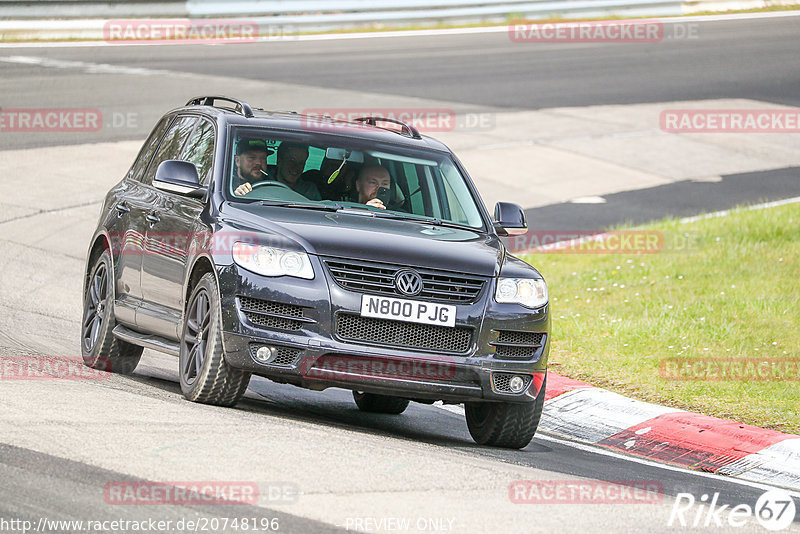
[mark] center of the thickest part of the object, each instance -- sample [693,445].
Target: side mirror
[179,177]
[509,219]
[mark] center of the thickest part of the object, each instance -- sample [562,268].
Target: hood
[363,237]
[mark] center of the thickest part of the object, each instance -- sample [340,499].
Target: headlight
[271,261]
[526,291]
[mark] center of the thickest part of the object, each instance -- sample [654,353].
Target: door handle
[122,209]
[152,218]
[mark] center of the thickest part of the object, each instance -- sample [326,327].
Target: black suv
[305,279]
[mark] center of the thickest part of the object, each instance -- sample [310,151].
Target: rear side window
[200,150]
[172,145]
[147,151]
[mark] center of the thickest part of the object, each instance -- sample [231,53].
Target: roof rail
[242,107]
[407,129]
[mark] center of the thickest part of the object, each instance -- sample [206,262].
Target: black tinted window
[172,145]
[147,151]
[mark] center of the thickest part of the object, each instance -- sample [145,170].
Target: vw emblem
[408,283]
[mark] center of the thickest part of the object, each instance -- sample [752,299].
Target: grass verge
[692,325]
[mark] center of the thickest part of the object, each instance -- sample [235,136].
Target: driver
[370,179]
[251,160]
[291,162]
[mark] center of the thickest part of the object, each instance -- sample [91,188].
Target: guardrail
[85,19]
[302,12]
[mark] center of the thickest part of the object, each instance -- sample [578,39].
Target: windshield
[346,173]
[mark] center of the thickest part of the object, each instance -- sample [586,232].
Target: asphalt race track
[320,464]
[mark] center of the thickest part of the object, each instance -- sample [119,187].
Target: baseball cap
[246,144]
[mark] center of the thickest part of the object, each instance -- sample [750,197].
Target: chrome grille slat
[363,276]
[345,270]
[370,284]
[447,287]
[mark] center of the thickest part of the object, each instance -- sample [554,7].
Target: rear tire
[505,424]
[99,347]
[370,402]
[205,375]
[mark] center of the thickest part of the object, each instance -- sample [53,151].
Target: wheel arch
[202,265]
[99,245]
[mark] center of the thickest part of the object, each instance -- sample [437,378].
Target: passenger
[291,162]
[251,160]
[369,181]
[342,185]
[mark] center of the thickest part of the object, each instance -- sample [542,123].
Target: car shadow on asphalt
[335,408]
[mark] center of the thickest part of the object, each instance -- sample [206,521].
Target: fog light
[265,354]
[516,384]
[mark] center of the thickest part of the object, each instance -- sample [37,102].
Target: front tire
[205,375]
[370,402]
[99,347]
[505,424]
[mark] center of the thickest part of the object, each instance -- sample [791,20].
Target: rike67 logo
[774,510]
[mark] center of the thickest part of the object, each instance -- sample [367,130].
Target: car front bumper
[299,320]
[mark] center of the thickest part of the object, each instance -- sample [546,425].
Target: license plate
[408,310]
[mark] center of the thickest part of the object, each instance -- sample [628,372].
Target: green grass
[733,292]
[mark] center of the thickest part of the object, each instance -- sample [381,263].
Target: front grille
[514,345]
[286,356]
[272,314]
[400,334]
[377,278]
[501,382]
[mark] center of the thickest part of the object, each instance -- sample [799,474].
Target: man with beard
[369,181]
[251,162]
[291,162]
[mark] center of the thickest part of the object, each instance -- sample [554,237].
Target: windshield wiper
[406,217]
[302,205]
[425,220]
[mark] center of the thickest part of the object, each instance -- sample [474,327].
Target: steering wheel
[267,183]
